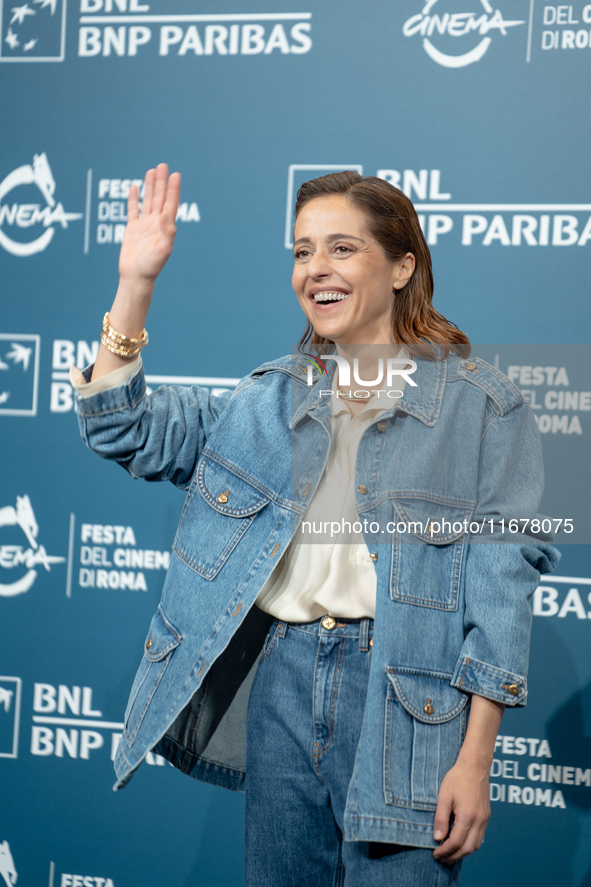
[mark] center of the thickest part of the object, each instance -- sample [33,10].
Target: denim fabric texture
[453,614]
[305,712]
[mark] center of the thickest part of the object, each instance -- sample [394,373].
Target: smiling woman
[374,226]
[352,685]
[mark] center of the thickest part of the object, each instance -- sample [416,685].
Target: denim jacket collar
[422,401]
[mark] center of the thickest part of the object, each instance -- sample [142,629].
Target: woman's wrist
[478,748]
[132,303]
[476,757]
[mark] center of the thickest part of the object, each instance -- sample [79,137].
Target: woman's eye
[301,254]
[342,249]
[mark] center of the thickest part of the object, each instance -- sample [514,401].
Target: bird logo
[32,31]
[20,354]
[19,369]
[20,12]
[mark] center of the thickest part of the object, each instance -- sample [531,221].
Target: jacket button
[329,623]
[472,366]
[513,689]
[149,643]
[223,497]
[428,708]
[432,530]
[362,489]
[373,556]
[381,426]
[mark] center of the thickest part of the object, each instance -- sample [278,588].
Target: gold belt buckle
[329,622]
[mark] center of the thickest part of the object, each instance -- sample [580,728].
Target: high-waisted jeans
[304,721]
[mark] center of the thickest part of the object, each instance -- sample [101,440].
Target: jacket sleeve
[156,436]
[502,570]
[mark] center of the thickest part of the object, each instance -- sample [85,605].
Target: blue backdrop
[481,115]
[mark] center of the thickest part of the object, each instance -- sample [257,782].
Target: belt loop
[281,629]
[364,635]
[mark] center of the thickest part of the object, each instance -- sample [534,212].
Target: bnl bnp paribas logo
[456,39]
[35,31]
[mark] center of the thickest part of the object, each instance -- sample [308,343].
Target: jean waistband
[361,628]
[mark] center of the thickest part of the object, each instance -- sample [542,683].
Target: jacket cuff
[111,400]
[473,676]
[110,380]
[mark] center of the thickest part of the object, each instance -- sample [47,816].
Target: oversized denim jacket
[453,613]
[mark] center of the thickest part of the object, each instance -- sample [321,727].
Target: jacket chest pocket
[428,553]
[426,721]
[219,508]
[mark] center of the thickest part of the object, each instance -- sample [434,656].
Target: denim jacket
[460,451]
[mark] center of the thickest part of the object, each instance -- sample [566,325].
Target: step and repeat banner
[478,111]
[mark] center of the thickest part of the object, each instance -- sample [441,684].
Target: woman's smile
[329,297]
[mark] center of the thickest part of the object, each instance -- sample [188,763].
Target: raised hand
[149,237]
[147,245]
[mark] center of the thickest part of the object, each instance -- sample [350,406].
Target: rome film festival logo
[23,216]
[33,32]
[12,556]
[7,868]
[457,24]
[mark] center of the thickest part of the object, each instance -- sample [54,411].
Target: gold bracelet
[117,343]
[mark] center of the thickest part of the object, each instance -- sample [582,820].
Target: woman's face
[343,280]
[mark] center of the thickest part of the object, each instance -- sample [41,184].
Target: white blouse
[319,572]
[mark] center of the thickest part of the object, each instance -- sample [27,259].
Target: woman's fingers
[465,837]
[133,209]
[173,196]
[442,816]
[161,194]
[451,849]
[148,192]
[160,188]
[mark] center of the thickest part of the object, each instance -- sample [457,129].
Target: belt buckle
[329,622]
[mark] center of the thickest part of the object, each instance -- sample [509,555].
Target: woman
[360,757]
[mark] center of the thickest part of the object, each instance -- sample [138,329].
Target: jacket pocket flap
[162,637]
[432,521]
[427,697]
[227,492]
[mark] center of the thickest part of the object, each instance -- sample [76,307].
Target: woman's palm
[149,238]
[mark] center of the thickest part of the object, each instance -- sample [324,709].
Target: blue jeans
[304,720]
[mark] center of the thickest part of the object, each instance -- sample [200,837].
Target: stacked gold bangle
[119,344]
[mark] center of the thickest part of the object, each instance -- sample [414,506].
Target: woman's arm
[158,436]
[147,245]
[464,790]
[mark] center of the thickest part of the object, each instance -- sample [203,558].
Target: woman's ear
[403,271]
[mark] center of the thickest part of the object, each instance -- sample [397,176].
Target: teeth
[330,297]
